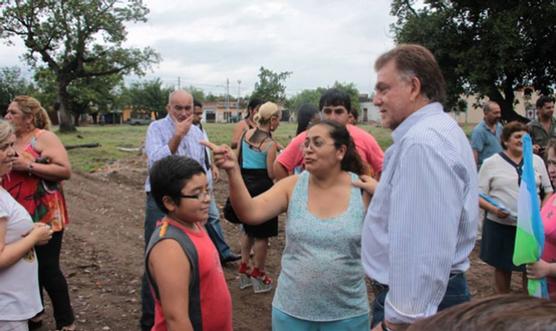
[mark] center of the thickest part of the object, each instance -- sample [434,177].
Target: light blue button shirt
[159,134]
[422,220]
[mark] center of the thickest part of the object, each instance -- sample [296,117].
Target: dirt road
[102,254]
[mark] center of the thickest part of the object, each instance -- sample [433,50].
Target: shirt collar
[430,109]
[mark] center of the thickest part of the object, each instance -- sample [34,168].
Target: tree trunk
[76,118]
[66,124]
[506,102]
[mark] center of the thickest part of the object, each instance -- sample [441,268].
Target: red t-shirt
[365,144]
[216,302]
[548,215]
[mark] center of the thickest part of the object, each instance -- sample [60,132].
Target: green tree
[197,93]
[313,96]
[489,47]
[12,83]
[76,40]
[149,96]
[89,95]
[271,86]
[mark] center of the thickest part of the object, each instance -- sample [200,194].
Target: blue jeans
[152,215]
[214,231]
[456,293]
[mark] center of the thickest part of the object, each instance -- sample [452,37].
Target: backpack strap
[164,231]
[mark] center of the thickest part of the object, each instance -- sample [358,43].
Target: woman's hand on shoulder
[366,183]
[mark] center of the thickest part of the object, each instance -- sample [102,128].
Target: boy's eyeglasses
[200,196]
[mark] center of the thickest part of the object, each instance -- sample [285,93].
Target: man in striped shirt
[421,224]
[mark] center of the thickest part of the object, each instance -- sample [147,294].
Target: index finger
[208,144]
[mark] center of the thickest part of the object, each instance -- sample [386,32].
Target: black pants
[53,281]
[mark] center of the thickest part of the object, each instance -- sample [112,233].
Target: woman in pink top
[546,266]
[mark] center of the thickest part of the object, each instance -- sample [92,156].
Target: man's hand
[182,128]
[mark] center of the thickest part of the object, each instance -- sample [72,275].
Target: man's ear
[169,203]
[415,84]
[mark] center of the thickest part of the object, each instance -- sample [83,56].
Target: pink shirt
[365,144]
[548,215]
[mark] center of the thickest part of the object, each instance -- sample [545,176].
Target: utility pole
[179,83]
[238,94]
[227,94]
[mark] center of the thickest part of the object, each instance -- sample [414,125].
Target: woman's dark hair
[510,129]
[305,114]
[340,135]
[169,175]
[501,312]
[253,104]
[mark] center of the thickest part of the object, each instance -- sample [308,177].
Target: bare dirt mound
[102,254]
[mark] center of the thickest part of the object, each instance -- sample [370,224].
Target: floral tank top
[44,200]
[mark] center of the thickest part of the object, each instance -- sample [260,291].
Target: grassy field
[110,137]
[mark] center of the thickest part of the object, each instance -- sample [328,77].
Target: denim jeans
[214,231]
[152,215]
[456,293]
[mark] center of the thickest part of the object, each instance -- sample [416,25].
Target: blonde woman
[19,284]
[257,152]
[40,166]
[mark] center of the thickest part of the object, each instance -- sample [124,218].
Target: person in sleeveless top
[19,284]
[247,123]
[500,177]
[181,262]
[258,151]
[41,165]
[321,285]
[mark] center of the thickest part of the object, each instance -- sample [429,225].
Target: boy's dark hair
[169,175]
[544,99]
[335,97]
[197,103]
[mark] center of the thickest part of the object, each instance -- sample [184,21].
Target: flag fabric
[529,239]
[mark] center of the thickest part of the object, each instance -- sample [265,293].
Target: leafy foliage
[271,86]
[313,96]
[12,83]
[76,40]
[149,96]
[489,47]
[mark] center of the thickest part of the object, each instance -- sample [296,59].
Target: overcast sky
[204,43]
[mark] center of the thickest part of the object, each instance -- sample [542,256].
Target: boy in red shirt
[182,264]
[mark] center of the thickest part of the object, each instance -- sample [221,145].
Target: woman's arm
[11,253]
[492,209]
[251,210]
[270,158]
[171,270]
[239,128]
[53,152]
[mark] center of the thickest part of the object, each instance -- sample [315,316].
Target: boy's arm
[171,270]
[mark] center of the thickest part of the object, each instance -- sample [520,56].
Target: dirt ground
[102,254]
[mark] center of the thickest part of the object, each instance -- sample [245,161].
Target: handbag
[229,213]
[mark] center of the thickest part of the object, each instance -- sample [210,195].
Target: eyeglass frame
[207,194]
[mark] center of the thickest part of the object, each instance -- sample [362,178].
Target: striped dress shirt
[159,134]
[422,220]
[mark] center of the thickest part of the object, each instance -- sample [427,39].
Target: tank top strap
[300,192]
[33,142]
